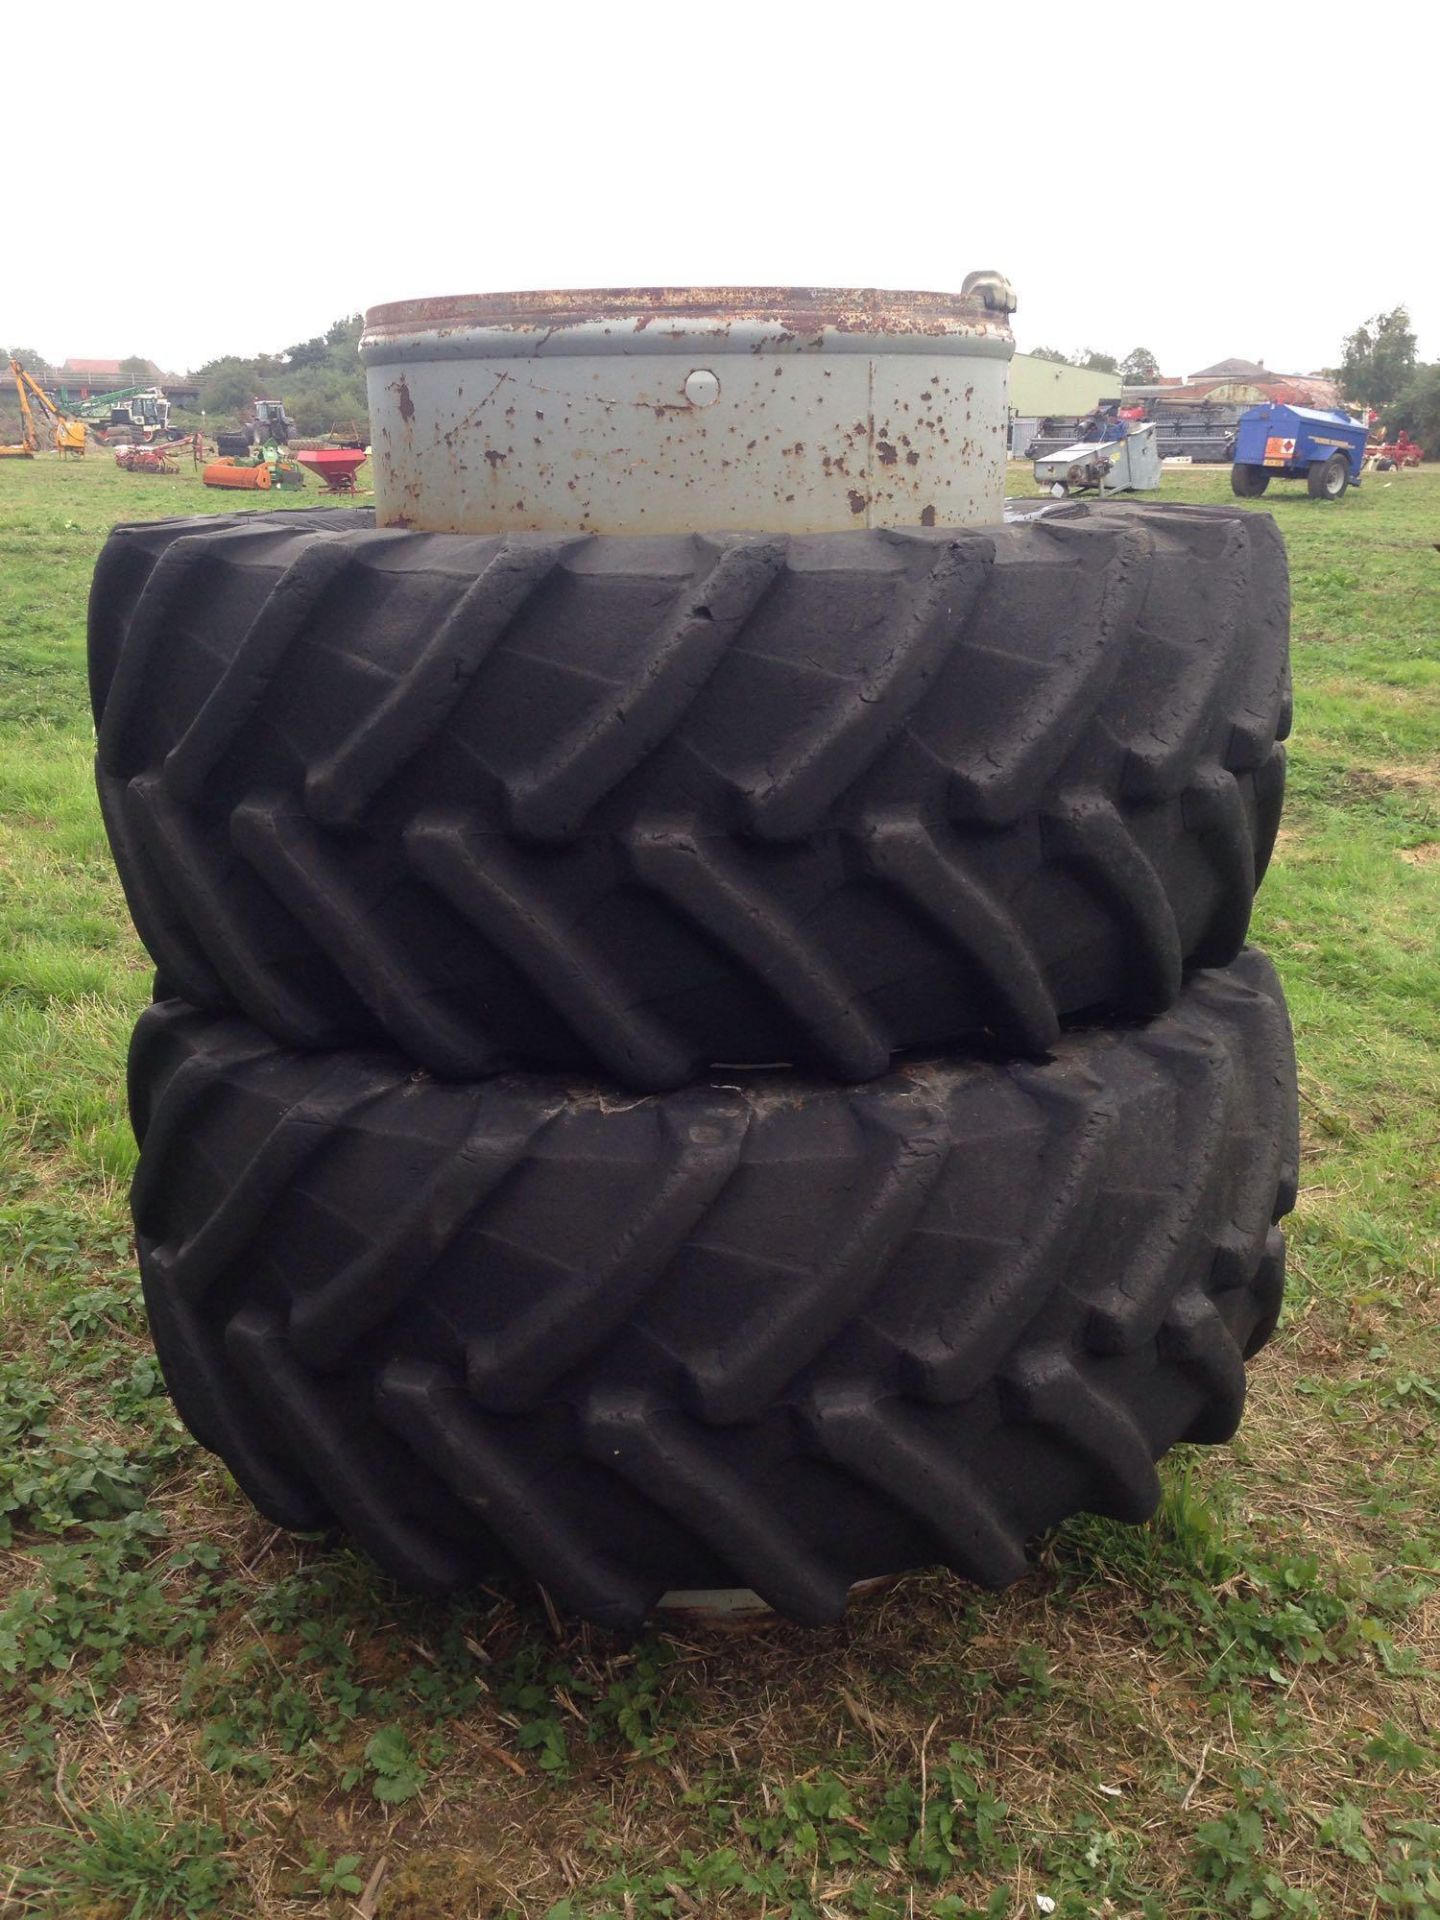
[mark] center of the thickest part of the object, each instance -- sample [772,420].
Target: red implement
[336,466]
[146,460]
[1402,451]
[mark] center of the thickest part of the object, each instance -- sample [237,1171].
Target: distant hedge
[320,381]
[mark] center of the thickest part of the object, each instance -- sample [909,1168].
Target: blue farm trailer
[1325,450]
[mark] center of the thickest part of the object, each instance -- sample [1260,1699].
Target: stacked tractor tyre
[701,1063]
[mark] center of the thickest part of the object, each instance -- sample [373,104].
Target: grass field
[1234,1711]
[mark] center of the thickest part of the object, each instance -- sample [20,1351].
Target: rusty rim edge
[798,309]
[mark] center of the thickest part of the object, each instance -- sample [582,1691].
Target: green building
[1040,387]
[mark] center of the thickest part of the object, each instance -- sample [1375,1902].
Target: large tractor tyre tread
[128,559]
[645,806]
[770,1333]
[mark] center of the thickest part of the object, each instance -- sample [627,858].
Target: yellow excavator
[67,433]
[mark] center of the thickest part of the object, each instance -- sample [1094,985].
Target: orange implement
[223,473]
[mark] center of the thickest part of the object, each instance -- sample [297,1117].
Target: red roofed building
[84,379]
[1245,383]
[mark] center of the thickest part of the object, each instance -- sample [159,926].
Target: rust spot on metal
[627,448]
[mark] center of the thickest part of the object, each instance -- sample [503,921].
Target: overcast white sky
[1203,180]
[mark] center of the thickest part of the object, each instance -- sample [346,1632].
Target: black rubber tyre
[1384,464]
[640,806]
[1248,482]
[771,1334]
[1328,479]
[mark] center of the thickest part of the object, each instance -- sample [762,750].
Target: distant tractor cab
[1326,450]
[132,414]
[146,412]
[269,425]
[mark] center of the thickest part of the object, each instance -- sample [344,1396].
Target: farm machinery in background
[137,415]
[1193,432]
[265,466]
[336,466]
[1399,452]
[1114,454]
[337,461]
[269,425]
[67,434]
[257,453]
[1323,448]
[162,456]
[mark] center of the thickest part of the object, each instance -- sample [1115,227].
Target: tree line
[1379,368]
[322,384]
[1139,368]
[320,381]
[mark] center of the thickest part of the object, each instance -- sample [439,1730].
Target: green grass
[1230,1712]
